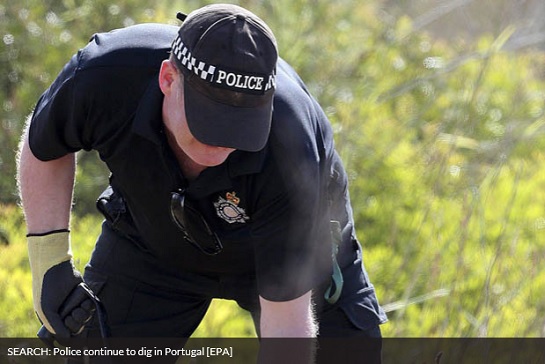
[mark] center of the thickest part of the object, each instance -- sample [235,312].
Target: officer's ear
[169,77]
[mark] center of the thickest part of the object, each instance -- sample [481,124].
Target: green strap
[337,280]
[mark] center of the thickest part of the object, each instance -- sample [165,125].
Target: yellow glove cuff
[44,252]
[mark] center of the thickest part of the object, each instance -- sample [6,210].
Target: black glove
[61,299]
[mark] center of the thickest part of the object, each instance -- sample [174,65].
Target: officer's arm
[290,319]
[45,189]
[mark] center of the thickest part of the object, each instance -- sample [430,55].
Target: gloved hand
[61,304]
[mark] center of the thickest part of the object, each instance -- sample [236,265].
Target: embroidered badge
[227,208]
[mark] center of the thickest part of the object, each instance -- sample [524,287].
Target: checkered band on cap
[232,80]
[201,69]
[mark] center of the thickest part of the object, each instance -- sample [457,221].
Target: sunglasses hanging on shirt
[193,225]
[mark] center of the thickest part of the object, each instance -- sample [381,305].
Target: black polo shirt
[271,209]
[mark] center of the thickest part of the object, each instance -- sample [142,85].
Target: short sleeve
[95,97]
[53,130]
[292,230]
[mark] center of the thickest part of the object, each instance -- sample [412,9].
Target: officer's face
[175,121]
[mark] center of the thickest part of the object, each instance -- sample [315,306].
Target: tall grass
[448,191]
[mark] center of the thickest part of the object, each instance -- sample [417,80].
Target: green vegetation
[443,140]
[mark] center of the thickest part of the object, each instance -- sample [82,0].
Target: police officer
[224,184]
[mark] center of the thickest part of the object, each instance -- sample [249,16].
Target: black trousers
[145,300]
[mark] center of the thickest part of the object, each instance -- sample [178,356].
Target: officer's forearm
[288,331]
[46,190]
[288,319]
